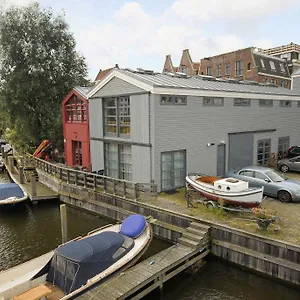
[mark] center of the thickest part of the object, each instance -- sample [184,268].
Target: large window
[208,71]
[118,162]
[283,146]
[263,152]
[239,68]
[75,110]
[213,101]
[173,170]
[227,69]
[117,116]
[219,70]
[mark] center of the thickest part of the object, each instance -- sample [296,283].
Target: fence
[99,183]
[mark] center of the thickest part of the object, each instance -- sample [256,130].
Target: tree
[38,67]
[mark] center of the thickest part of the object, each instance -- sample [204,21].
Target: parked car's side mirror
[267,180]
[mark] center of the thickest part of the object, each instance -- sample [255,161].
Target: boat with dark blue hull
[78,265]
[11,193]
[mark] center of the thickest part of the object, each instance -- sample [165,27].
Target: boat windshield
[274,176]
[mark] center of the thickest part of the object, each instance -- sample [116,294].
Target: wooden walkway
[151,273]
[42,191]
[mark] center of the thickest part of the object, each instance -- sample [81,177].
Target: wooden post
[124,189]
[21,175]
[2,152]
[84,180]
[136,192]
[161,283]
[33,186]
[64,224]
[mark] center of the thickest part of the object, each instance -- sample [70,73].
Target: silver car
[289,164]
[275,185]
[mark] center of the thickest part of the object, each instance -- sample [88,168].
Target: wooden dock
[151,273]
[36,191]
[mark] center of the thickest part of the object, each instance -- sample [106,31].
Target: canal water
[28,230]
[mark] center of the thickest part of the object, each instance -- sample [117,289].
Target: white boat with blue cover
[11,193]
[76,266]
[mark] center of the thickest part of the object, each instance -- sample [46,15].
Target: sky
[139,34]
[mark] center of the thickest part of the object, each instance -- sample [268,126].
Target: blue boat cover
[10,190]
[77,261]
[133,226]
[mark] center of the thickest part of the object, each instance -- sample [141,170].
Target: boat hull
[248,198]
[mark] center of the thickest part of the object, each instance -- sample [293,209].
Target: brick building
[247,64]
[186,66]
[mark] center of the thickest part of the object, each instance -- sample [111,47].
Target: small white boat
[11,193]
[79,264]
[232,191]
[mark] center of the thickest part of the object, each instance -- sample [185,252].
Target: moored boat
[79,264]
[230,191]
[11,193]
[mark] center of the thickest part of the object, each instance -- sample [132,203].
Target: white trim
[209,93]
[277,76]
[122,76]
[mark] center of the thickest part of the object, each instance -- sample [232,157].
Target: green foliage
[38,67]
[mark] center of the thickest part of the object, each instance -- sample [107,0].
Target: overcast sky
[140,33]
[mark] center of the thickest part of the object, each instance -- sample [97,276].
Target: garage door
[240,150]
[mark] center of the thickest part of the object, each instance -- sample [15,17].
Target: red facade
[76,130]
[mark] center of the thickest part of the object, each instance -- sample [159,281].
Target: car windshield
[274,176]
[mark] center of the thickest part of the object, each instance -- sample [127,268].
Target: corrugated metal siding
[141,164]
[96,120]
[97,157]
[192,126]
[116,87]
[296,84]
[139,114]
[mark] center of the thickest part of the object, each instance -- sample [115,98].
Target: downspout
[150,142]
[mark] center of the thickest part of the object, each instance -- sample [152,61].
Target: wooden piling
[63,219]
[21,175]
[33,186]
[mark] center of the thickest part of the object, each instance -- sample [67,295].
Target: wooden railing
[99,183]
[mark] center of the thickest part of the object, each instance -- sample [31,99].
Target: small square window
[213,101]
[241,102]
[265,102]
[285,103]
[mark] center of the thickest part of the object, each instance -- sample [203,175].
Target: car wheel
[284,168]
[284,196]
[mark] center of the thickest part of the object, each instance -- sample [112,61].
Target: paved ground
[287,228]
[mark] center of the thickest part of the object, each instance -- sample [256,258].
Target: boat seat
[36,293]
[208,179]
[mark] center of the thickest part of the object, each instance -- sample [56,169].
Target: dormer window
[262,63]
[272,65]
[282,68]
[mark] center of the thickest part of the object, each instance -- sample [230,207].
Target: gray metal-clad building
[149,127]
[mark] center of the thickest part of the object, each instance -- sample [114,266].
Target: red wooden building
[76,128]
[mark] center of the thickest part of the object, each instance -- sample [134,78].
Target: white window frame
[272,65]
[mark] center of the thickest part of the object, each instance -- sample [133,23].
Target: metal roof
[83,90]
[199,82]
